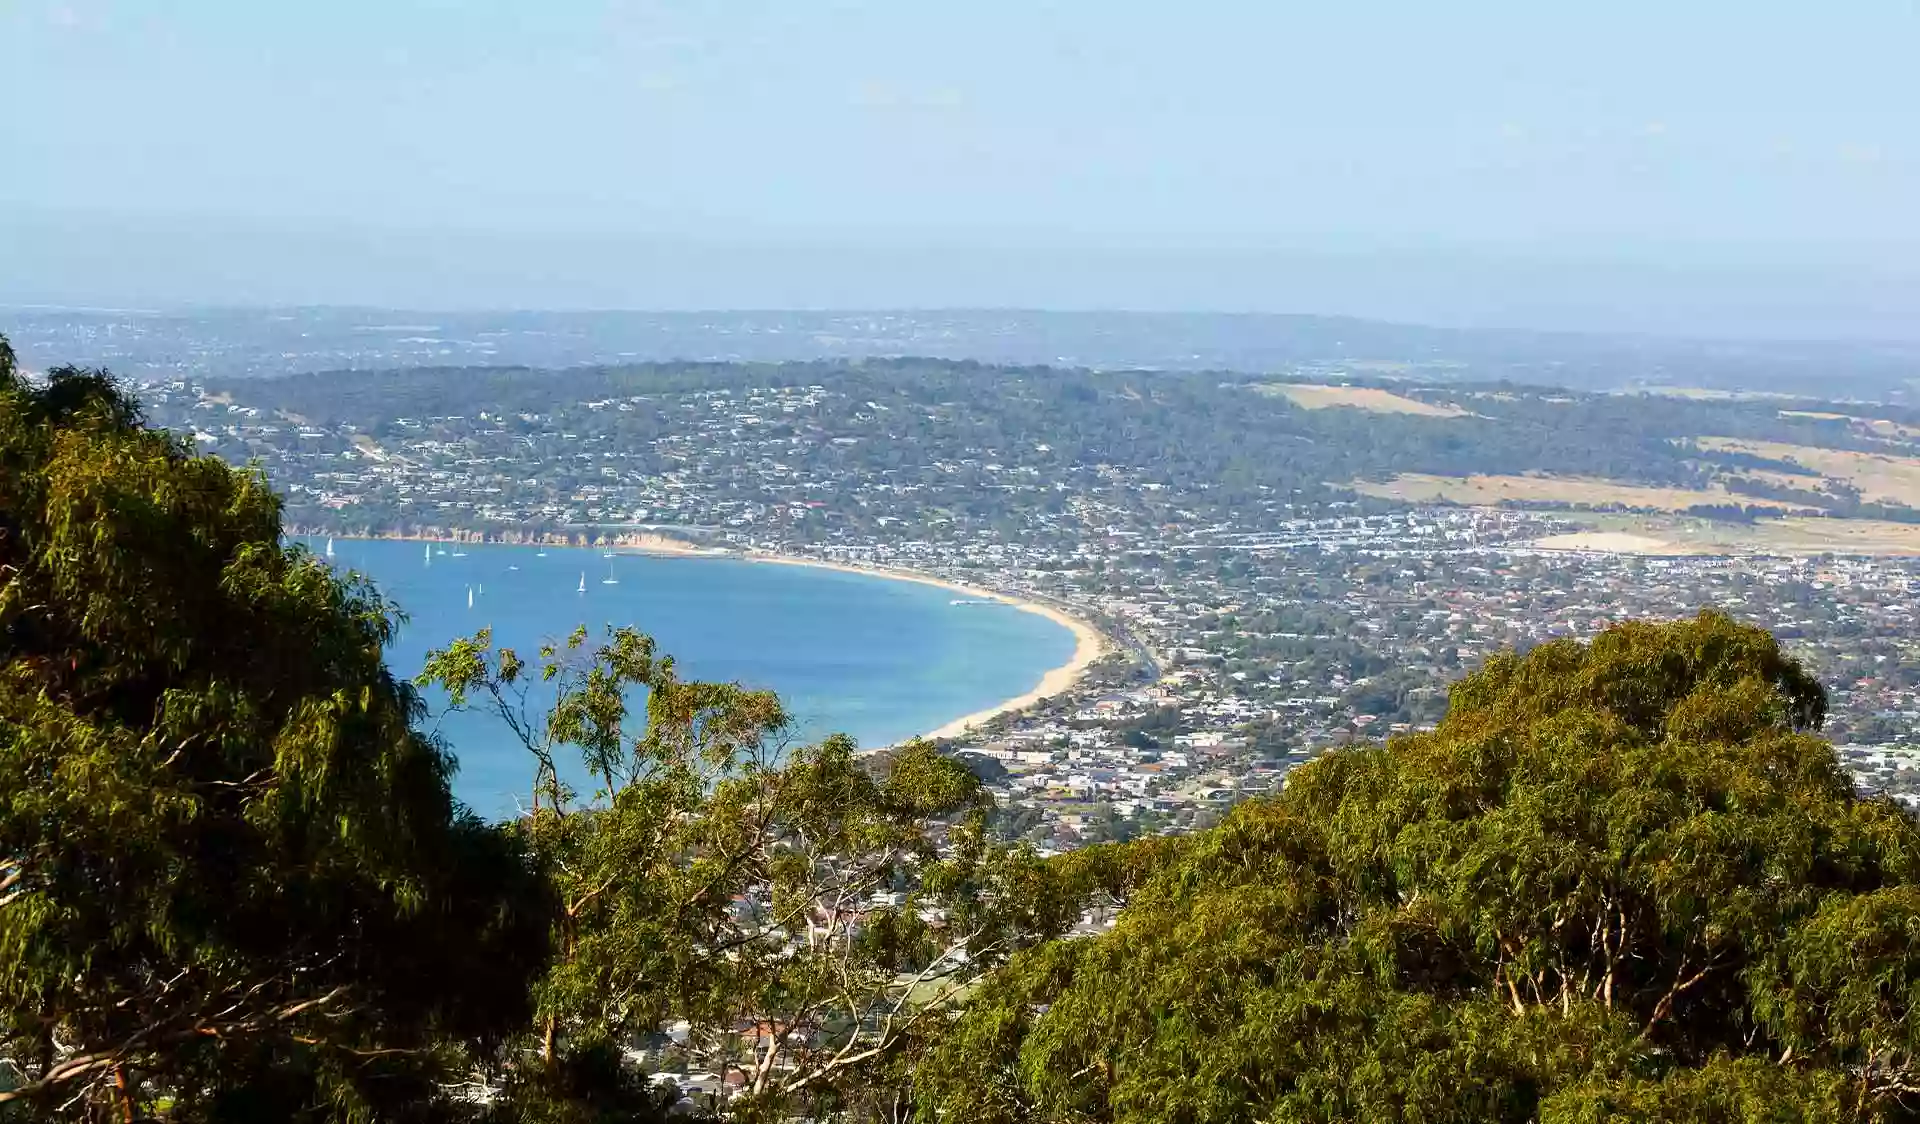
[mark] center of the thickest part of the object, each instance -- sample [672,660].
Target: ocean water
[873,657]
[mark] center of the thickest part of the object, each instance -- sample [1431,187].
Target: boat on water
[458,553]
[469,597]
[539,554]
[329,548]
[512,566]
[609,579]
[583,582]
[429,554]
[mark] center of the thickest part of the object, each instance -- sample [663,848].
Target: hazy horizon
[1712,171]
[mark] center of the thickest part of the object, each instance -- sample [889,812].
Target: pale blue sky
[1702,139]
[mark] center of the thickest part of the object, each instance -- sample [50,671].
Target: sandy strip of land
[631,542]
[663,545]
[1089,643]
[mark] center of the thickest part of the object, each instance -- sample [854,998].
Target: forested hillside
[974,446]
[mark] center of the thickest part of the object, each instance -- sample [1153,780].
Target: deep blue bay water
[873,657]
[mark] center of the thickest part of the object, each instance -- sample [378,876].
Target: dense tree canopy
[808,918]
[1618,882]
[231,875]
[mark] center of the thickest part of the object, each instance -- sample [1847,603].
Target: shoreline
[632,542]
[1090,644]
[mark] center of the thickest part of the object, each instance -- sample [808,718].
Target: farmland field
[1310,396]
[1792,535]
[1417,487]
[1881,478]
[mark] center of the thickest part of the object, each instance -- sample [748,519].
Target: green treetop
[232,878]
[1620,881]
[807,919]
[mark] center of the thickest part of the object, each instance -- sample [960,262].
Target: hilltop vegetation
[971,447]
[231,872]
[1620,881]
[1623,880]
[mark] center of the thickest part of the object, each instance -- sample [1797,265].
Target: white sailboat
[329,548]
[457,552]
[429,560]
[469,597]
[583,581]
[609,579]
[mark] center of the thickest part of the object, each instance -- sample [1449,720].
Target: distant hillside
[863,445]
[245,343]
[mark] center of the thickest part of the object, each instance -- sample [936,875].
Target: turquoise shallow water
[879,659]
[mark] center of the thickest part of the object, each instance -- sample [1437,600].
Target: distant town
[1245,639]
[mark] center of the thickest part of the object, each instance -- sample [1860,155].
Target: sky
[1713,167]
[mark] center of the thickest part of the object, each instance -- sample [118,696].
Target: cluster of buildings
[1308,649]
[1250,633]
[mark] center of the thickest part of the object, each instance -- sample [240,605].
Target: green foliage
[1618,881]
[231,875]
[590,1085]
[810,916]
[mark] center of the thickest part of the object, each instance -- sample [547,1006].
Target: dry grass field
[1655,534]
[1309,396]
[1417,487]
[1617,542]
[1880,477]
[1788,537]
[1838,536]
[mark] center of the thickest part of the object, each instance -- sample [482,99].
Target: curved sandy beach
[1089,643]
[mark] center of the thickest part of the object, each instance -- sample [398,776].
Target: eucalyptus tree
[1619,881]
[232,879]
[800,917]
